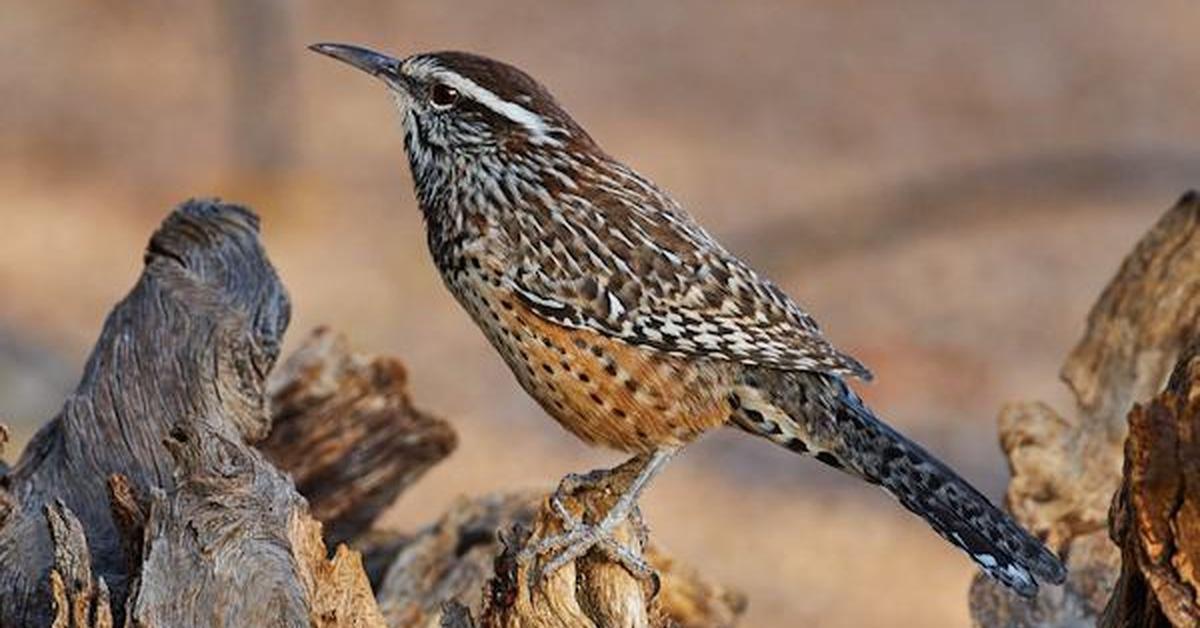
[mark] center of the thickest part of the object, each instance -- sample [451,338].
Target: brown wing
[634,265]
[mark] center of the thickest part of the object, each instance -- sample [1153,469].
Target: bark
[347,432]
[145,502]
[79,600]
[171,394]
[1067,467]
[463,571]
[1156,514]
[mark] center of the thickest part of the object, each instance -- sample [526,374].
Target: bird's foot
[579,539]
[569,485]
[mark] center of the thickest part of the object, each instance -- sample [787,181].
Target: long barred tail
[817,414]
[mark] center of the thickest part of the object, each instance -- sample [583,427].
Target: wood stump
[1068,468]
[184,484]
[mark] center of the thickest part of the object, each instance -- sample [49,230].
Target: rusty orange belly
[603,390]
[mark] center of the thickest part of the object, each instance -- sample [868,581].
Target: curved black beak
[369,61]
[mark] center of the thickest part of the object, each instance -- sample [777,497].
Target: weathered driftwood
[347,432]
[462,559]
[143,502]
[238,522]
[79,600]
[1066,468]
[451,560]
[173,389]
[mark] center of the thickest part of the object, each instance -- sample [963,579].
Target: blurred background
[945,184]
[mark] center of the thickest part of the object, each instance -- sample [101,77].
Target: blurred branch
[1003,191]
[263,98]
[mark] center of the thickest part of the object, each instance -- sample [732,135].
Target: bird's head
[456,104]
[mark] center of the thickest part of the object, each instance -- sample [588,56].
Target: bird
[628,322]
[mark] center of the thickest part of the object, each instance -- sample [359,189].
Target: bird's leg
[571,483]
[578,537]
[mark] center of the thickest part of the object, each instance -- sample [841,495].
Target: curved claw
[574,544]
[578,538]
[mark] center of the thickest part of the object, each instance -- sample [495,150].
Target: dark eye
[442,95]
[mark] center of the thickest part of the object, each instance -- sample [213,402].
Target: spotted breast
[601,389]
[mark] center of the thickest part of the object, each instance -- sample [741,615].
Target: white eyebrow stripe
[539,131]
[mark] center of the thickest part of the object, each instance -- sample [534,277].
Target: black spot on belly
[829,459]
[796,445]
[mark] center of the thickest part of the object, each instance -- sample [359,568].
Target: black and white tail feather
[820,415]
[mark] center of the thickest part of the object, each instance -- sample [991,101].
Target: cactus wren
[628,322]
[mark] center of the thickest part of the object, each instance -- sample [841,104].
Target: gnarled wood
[450,560]
[79,601]
[1156,514]
[1066,468]
[174,389]
[236,522]
[143,502]
[345,429]
[459,568]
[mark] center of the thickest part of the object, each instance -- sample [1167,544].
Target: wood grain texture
[463,571]
[79,600]
[1066,467]
[238,522]
[146,503]
[346,430]
[593,590]
[1156,513]
[148,458]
